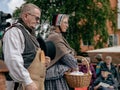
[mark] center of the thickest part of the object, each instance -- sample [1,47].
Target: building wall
[115,55]
[84,48]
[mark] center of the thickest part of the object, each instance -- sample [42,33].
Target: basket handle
[87,63]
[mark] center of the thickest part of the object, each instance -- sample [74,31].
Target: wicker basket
[79,80]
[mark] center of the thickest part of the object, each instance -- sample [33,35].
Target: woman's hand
[73,69]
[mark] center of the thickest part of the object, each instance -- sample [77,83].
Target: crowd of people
[108,74]
[22,54]
[104,75]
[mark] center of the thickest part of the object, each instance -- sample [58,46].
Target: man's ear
[25,15]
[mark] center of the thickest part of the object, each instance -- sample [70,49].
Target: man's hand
[31,86]
[97,86]
[44,59]
[111,87]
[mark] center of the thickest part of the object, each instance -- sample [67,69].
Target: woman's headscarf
[56,20]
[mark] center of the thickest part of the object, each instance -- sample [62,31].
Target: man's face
[108,61]
[33,18]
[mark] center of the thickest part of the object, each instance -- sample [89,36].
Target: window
[113,40]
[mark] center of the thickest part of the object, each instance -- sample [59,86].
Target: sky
[8,6]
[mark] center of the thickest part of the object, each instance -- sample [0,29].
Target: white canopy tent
[114,52]
[115,49]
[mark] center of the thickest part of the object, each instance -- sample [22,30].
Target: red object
[84,88]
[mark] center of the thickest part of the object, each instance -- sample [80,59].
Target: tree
[87,18]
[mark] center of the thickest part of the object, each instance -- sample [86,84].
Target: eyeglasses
[36,17]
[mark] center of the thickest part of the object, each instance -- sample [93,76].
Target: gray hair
[28,8]
[108,57]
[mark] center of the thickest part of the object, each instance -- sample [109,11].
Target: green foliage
[16,13]
[94,14]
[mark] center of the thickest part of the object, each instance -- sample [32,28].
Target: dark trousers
[104,88]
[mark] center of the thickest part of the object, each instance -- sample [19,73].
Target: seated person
[83,68]
[104,82]
[99,59]
[108,66]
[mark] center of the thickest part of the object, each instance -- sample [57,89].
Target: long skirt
[57,84]
[55,79]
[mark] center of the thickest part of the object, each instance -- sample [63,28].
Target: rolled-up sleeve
[13,46]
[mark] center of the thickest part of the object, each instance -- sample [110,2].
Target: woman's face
[84,61]
[64,24]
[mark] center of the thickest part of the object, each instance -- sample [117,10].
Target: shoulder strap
[13,25]
[21,28]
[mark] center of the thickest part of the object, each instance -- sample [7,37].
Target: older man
[22,52]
